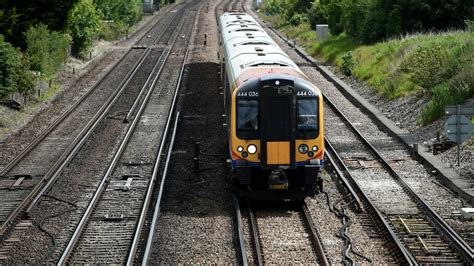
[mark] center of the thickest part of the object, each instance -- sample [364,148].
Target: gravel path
[195,225]
[67,199]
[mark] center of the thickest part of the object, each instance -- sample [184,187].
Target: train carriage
[274,115]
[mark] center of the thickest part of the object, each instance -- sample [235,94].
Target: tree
[388,18]
[46,50]
[17,16]
[27,80]
[84,24]
[10,68]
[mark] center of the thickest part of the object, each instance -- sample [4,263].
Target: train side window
[247,114]
[307,118]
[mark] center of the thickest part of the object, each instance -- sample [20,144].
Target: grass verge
[439,65]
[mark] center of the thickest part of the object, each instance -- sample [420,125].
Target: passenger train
[274,115]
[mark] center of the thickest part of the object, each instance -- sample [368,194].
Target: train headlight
[303,148]
[240,149]
[252,149]
[315,148]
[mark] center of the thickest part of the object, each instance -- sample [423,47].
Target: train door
[277,113]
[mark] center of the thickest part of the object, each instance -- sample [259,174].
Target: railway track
[112,227]
[285,234]
[127,95]
[427,237]
[439,233]
[25,178]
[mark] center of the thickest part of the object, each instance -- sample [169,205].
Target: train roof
[247,45]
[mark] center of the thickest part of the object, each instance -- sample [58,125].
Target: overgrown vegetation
[118,16]
[47,50]
[10,67]
[84,23]
[44,30]
[438,64]
[369,21]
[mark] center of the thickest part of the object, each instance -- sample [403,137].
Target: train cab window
[307,118]
[247,114]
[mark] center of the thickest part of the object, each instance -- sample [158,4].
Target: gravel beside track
[73,86]
[424,183]
[195,224]
[283,236]
[387,194]
[76,184]
[366,240]
[109,240]
[64,133]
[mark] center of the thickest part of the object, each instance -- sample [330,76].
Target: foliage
[424,64]
[273,7]
[10,68]
[112,30]
[127,12]
[46,49]
[438,65]
[297,19]
[17,17]
[370,21]
[27,79]
[331,50]
[84,23]
[347,63]
[317,14]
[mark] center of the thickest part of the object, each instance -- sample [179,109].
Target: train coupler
[278,180]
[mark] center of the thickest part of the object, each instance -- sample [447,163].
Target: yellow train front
[274,115]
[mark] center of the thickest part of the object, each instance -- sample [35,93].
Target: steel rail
[147,51]
[254,234]
[149,195]
[61,118]
[154,76]
[156,212]
[318,246]
[57,121]
[463,249]
[461,246]
[240,232]
[371,209]
[49,177]
[75,145]
[340,172]
[151,236]
[163,30]
[105,178]
[86,132]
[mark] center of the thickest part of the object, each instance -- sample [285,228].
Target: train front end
[277,142]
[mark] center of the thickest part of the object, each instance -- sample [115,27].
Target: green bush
[27,79]
[297,19]
[317,14]
[347,63]
[371,21]
[425,65]
[121,12]
[113,30]
[10,68]
[47,50]
[84,23]
[445,94]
